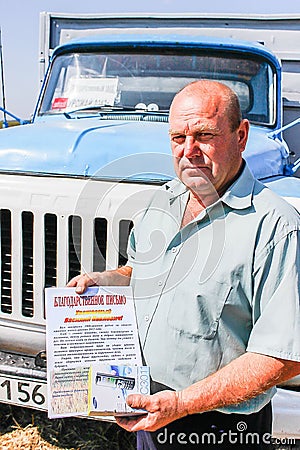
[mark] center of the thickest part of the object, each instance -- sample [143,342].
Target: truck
[75,178]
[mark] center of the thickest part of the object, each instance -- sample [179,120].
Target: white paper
[92,92]
[98,326]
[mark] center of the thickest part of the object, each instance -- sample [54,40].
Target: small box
[109,385]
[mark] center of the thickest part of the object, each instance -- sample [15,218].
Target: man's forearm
[117,277]
[246,377]
[242,379]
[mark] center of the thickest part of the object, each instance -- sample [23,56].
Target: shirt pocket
[196,316]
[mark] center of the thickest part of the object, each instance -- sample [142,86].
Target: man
[214,265]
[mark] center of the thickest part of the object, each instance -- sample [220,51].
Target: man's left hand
[163,407]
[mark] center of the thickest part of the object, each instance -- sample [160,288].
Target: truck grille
[49,235]
[51,229]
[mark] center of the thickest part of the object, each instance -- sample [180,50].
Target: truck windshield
[149,81]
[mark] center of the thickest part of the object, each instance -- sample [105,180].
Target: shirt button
[147,318]
[174,249]
[159,283]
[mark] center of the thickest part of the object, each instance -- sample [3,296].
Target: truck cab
[134,78]
[73,181]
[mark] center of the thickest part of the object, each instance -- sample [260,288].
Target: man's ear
[243,132]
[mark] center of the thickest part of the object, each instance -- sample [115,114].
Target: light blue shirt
[226,283]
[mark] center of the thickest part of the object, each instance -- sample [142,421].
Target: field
[26,429]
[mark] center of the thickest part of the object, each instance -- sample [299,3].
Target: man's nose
[191,147]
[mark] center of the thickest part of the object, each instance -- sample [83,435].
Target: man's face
[207,154]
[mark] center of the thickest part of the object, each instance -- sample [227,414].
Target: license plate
[23,391]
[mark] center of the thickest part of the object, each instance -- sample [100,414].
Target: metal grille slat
[27,264]
[16,245]
[112,255]
[86,244]
[38,265]
[74,245]
[5,254]
[62,250]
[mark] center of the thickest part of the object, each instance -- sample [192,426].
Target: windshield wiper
[102,108]
[110,108]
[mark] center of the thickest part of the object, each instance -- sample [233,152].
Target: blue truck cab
[107,97]
[74,179]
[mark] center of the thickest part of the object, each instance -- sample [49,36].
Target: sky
[19,22]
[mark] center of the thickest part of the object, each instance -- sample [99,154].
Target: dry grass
[26,429]
[11,123]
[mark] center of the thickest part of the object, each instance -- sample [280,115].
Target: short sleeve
[276,309]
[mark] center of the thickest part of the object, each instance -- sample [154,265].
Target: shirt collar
[176,188]
[237,196]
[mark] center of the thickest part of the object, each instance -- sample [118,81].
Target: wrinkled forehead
[189,107]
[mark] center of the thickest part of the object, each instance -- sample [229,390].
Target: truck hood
[112,149]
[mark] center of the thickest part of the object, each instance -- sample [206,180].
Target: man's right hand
[83,281]
[117,277]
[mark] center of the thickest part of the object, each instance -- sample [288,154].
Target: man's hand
[117,277]
[82,282]
[244,378]
[163,407]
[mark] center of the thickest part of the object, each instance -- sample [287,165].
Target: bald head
[219,94]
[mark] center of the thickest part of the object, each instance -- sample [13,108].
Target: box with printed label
[109,385]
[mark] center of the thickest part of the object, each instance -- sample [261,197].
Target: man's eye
[179,139]
[204,136]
